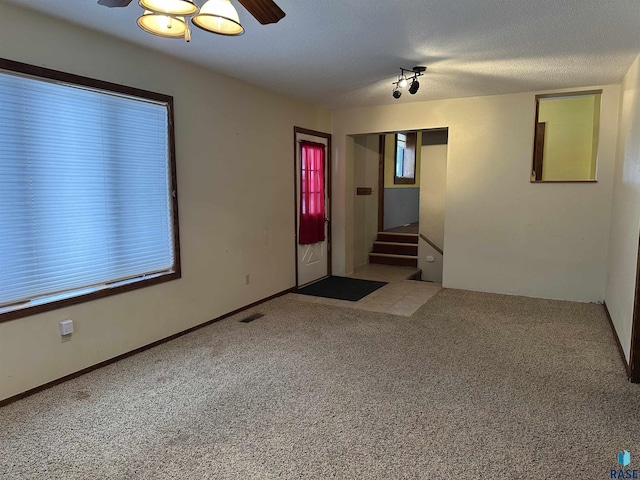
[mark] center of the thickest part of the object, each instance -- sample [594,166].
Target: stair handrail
[430,242]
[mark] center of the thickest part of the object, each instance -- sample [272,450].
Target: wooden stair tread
[394,255]
[400,234]
[395,248]
[398,238]
[395,243]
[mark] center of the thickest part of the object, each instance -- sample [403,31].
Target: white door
[313,259]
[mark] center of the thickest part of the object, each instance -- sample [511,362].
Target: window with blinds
[87,190]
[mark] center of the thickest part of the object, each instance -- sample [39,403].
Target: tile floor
[399,297]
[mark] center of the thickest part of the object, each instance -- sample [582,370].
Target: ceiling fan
[168,18]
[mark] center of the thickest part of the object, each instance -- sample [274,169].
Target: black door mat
[341,288]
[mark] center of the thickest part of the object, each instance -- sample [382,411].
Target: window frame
[539,129]
[408,146]
[117,286]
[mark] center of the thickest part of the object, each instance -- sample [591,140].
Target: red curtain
[312,212]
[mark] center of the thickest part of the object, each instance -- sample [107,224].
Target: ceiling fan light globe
[172,7]
[219,16]
[162,25]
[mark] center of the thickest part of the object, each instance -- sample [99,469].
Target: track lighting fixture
[415,85]
[403,81]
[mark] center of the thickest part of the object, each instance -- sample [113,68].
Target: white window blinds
[84,189]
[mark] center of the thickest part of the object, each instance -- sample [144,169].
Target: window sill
[563,181]
[81,295]
[404,181]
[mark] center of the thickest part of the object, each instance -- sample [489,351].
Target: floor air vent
[253,317]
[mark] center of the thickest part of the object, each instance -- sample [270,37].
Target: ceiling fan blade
[265,11]
[114,3]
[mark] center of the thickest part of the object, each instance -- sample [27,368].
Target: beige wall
[227,134]
[432,209]
[502,233]
[366,169]
[570,137]
[625,216]
[431,271]
[432,193]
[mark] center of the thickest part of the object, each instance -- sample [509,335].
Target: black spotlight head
[397,93]
[415,85]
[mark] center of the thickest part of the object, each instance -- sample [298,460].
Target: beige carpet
[472,386]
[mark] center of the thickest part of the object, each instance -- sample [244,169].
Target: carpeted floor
[473,386]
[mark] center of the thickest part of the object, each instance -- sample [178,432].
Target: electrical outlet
[66,327]
[246,279]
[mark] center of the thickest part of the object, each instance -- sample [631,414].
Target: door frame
[634,353]
[381,154]
[327,186]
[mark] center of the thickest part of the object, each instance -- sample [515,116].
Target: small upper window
[87,189]
[566,137]
[405,167]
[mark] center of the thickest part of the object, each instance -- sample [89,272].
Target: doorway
[312,173]
[386,172]
[400,199]
[399,182]
[634,354]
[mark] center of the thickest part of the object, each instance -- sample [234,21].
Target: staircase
[395,249]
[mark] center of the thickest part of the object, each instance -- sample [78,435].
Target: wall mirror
[566,137]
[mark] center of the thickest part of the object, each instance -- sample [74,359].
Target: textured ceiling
[346,53]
